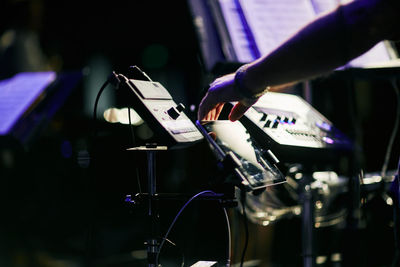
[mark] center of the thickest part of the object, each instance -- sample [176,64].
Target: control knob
[174,112]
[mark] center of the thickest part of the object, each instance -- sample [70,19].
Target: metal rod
[152,244]
[307,222]
[151,178]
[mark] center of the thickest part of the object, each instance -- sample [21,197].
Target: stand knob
[174,112]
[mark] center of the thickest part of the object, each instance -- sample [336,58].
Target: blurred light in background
[115,115]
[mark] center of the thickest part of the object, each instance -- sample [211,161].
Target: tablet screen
[225,136]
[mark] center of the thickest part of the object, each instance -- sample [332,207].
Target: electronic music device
[167,120]
[234,148]
[294,130]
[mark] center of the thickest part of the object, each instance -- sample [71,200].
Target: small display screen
[226,136]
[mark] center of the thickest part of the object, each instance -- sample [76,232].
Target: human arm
[321,46]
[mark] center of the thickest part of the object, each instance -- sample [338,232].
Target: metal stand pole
[307,222]
[227,198]
[152,243]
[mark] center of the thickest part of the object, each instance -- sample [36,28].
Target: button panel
[288,128]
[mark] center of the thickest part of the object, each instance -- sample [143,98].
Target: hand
[220,92]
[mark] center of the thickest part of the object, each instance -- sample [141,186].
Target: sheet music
[18,93]
[272,21]
[376,55]
[321,6]
[236,30]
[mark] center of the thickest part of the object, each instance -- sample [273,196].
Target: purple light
[328,140]
[18,93]
[324,126]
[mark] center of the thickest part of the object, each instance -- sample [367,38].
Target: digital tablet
[254,167]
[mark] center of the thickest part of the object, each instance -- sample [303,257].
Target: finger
[212,111]
[213,135]
[237,111]
[206,105]
[212,114]
[200,113]
[208,116]
[218,110]
[215,112]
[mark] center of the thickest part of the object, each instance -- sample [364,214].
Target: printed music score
[256,27]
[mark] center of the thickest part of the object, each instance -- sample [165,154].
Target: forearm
[321,46]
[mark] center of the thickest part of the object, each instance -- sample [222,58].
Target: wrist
[242,89]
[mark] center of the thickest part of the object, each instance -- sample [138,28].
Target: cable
[131,128]
[113,79]
[394,131]
[133,138]
[181,251]
[98,98]
[142,72]
[246,226]
[176,218]
[395,184]
[138,180]
[228,228]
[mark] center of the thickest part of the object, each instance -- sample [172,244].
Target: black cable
[111,79]
[138,180]
[394,131]
[96,102]
[131,133]
[90,232]
[131,128]
[396,218]
[141,72]
[228,232]
[246,226]
[178,248]
[176,218]
[395,184]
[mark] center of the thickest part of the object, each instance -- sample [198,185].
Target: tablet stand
[227,199]
[307,221]
[151,243]
[307,196]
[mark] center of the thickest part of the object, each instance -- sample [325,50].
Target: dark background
[62,194]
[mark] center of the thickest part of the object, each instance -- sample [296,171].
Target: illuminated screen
[226,137]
